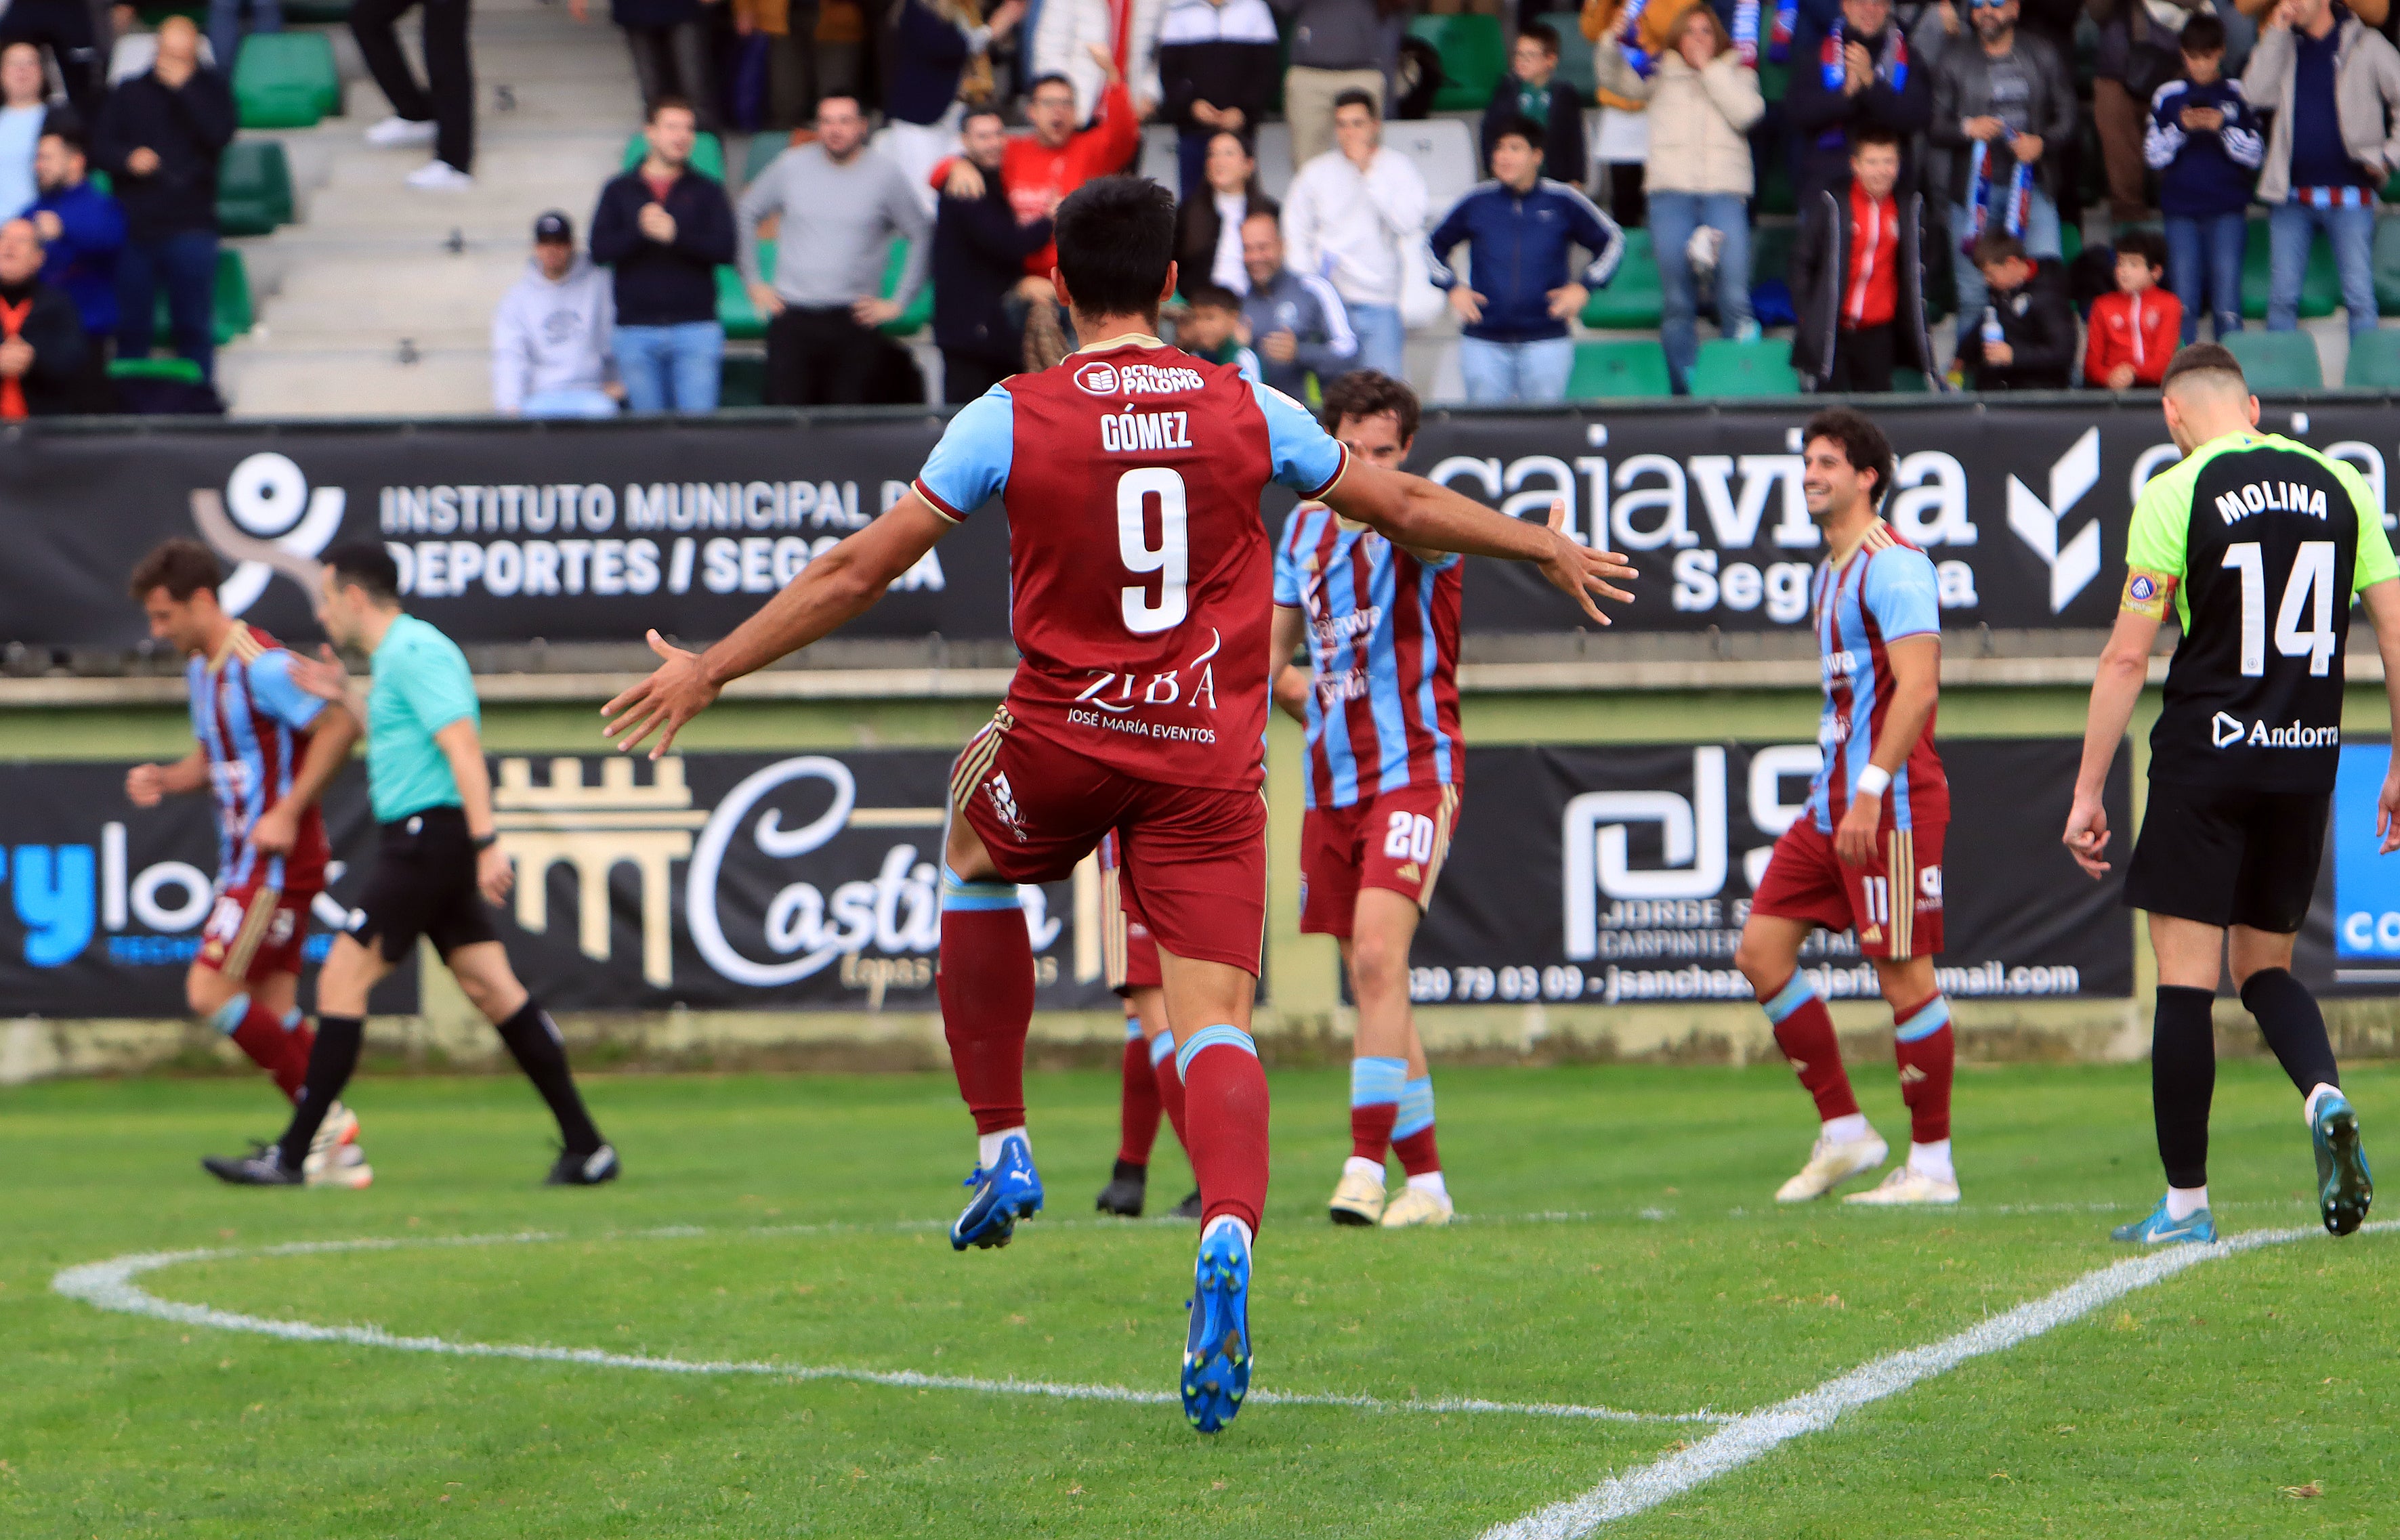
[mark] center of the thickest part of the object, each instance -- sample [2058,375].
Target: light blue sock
[226,1018]
[1416,1108]
[1211,1037]
[1161,1047]
[1377,1080]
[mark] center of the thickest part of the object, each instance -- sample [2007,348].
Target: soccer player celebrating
[1867,853]
[1148,1086]
[1139,579]
[1380,700]
[267,750]
[438,862]
[2248,526]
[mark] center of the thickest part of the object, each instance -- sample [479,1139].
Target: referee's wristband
[484,841]
[1873,781]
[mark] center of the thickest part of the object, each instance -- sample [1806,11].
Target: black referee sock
[331,1063]
[2294,1026]
[2183,1081]
[533,1038]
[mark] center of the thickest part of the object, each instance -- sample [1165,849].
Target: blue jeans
[571,401]
[2205,263]
[226,31]
[1497,373]
[2041,240]
[671,368]
[2291,229]
[1382,341]
[1673,217]
[186,264]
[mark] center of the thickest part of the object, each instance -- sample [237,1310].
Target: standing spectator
[2135,330]
[1093,43]
[45,364]
[1350,216]
[1339,48]
[1056,158]
[22,88]
[2204,143]
[82,230]
[551,342]
[1209,226]
[1857,73]
[1624,144]
[64,28]
[932,46]
[1216,67]
[439,112]
[2005,103]
[839,204]
[979,249]
[2332,86]
[671,41]
[665,229]
[1297,325]
[1701,100]
[1857,274]
[1531,90]
[2023,338]
[2137,56]
[1514,344]
[225,29]
[158,138]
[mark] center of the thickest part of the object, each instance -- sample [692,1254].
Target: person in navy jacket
[2206,142]
[82,230]
[1517,229]
[1850,73]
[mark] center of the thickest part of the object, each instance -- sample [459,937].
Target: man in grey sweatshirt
[551,333]
[839,204]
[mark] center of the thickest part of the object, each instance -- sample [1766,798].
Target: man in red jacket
[1045,166]
[2135,330]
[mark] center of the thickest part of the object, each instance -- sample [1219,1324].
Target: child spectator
[1857,274]
[2025,339]
[2204,141]
[2135,330]
[1212,328]
[1531,90]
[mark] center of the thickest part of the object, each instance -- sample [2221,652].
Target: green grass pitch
[1621,1250]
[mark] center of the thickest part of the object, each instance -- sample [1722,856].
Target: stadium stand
[286,80]
[1730,368]
[2278,360]
[253,188]
[2374,362]
[1474,56]
[1614,370]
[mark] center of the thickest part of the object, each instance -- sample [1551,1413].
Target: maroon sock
[1418,1156]
[1137,1104]
[1371,1129]
[1926,1066]
[1806,1035]
[1170,1097]
[985,980]
[261,1035]
[300,1040]
[1225,1094]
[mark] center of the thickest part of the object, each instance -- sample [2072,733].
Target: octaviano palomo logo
[2036,519]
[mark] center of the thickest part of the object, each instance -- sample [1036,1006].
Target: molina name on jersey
[1880,591]
[1139,562]
[252,723]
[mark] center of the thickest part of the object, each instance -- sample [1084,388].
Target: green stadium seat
[2319,285]
[920,313]
[1632,300]
[232,316]
[286,80]
[1605,371]
[318,13]
[253,188]
[1729,368]
[181,371]
[2278,360]
[1910,382]
[741,319]
[707,154]
[2374,362]
[1473,59]
[1776,192]
[734,311]
[2387,266]
[742,380]
[1773,79]
[764,148]
[2070,241]
[1575,54]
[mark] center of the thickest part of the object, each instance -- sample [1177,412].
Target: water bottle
[1992,333]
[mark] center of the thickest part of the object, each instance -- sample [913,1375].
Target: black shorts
[2228,857]
[424,884]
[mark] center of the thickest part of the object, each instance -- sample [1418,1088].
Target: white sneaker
[340,1128]
[343,1166]
[440,176]
[1415,1206]
[1907,1187]
[1357,1199]
[400,133]
[1831,1164]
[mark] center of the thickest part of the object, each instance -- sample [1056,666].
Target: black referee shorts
[424,884]
[2228,857]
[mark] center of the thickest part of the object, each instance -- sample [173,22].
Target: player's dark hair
[366,564]
[1525,129]
[1367,393]
[182,567]
[1862,443]
[2149,245]
[1871,135]
[2201,36]
[1116,240]
[1996,247]
[1544,34]
[1360,99]
[2204,358]
[1211,296]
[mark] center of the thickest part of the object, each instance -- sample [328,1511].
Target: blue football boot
[1217,1352]
[2198,1228]
[2344,1189]
[1009,1192]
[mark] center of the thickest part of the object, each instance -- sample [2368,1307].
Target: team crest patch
[2148,593]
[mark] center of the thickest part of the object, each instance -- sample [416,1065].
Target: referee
[2258,543]
[436,865]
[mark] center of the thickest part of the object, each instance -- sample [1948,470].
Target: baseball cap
[554,225]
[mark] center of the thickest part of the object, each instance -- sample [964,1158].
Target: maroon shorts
[1195,858]
[255,932]
[1129,953]
[1895,905]
[1395,839]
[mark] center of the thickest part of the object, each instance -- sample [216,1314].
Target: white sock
[1210,1228]
[1932,1159]
[1356,1166]
[1431,1182]
[988,1146]
[2309,1108]
[1843,1130]
[2184,1201]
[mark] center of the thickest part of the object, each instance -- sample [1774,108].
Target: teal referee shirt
[422,684]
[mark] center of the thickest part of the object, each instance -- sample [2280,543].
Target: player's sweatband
[1873,781]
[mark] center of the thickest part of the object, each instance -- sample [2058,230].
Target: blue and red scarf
[2011,207]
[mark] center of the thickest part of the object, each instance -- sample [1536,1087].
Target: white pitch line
[110,1286]
[1748,1436]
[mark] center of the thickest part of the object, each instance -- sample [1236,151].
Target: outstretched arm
[830,591]
[2125,668]
[1411,510]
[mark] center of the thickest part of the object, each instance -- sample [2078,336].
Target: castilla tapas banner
[508,532]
